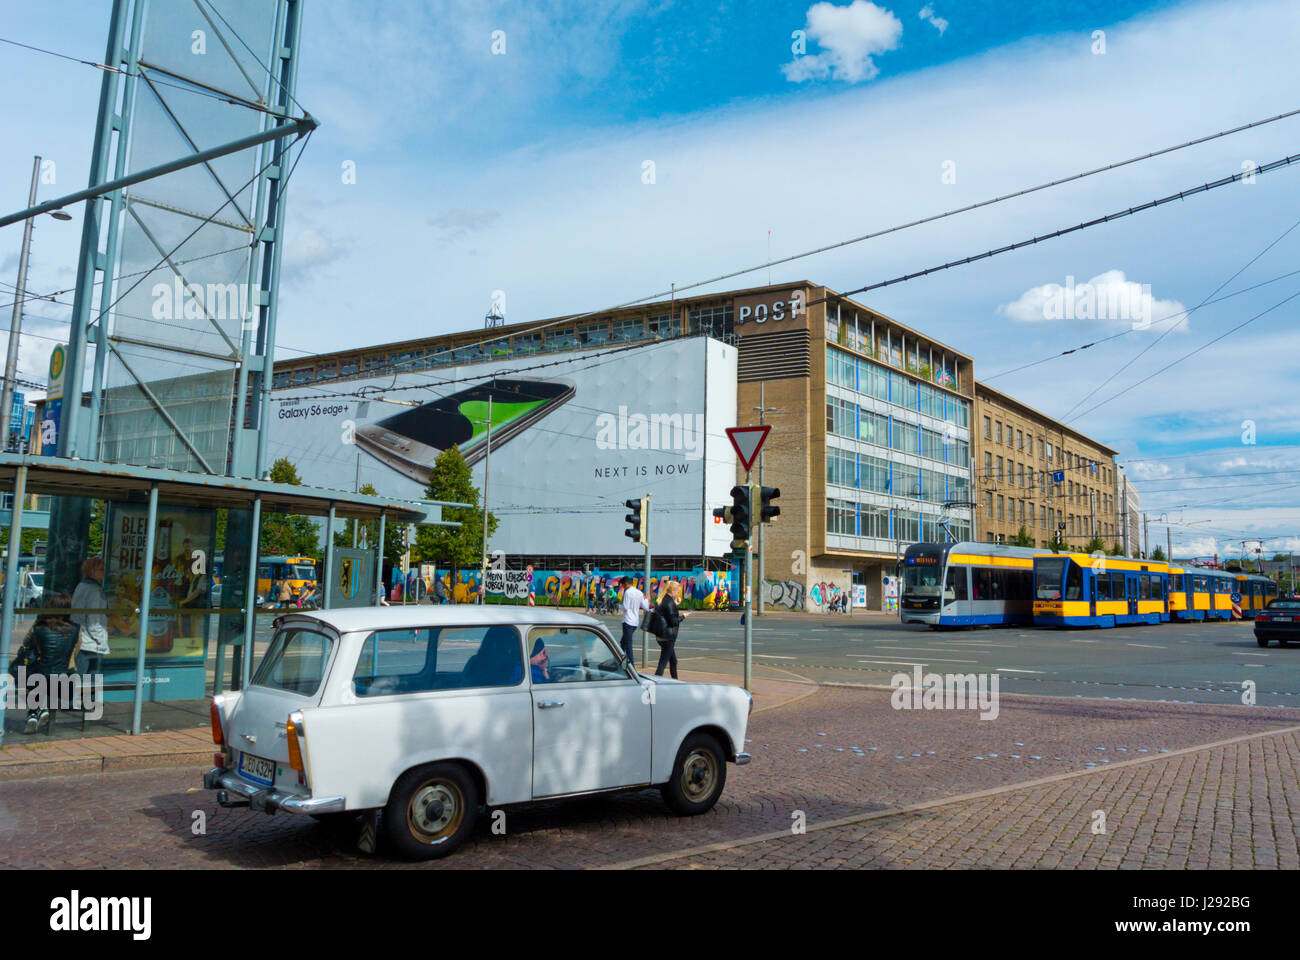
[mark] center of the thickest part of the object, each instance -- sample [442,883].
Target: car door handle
[547,704]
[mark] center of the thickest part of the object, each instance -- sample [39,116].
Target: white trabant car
[430,713]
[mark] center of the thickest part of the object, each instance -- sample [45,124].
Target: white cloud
[850,36]
[459,221]
[927,14]
[308,250]
[1109,297]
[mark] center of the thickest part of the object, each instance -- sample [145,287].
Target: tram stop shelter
[168,591]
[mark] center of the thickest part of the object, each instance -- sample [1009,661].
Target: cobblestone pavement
[804,760]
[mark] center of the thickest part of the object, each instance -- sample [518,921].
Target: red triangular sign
[747,441]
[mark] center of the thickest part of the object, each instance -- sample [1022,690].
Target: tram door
[1131,591]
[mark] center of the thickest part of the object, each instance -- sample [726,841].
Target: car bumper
[266,799]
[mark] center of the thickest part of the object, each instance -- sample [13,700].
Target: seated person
[540,662]
[497,661]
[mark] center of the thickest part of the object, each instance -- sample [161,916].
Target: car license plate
[1282,619]
[257,768]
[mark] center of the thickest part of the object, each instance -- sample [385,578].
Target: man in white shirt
[634,602]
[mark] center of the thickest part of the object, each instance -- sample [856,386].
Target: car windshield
[1048,575]
[1284,605]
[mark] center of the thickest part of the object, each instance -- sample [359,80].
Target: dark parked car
[1279,621]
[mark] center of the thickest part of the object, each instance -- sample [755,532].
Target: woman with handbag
[89,596]
[668,618]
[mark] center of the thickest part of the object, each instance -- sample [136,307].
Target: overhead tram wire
[1188,355]
[1066,231]
[1124,333]
[1164,333]
[679,288]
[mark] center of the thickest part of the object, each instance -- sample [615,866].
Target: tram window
[1074,583]
[1144,586]
[983,584]
[1157,588]
[1176,582]
[955,586]
[1103,585]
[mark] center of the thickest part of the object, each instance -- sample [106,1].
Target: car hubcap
[435,812]
[699,774]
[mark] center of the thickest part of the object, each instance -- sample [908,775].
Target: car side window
[423,659]
[572,655]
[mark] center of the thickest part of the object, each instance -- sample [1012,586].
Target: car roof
[353,619]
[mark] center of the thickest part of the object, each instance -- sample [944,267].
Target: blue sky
[523,172]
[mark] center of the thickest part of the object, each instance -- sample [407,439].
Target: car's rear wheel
[431,811]
[699,774]
[1262,641]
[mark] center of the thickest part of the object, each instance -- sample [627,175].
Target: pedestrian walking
[49,648]
[286,594]
[666,619]
[634,602]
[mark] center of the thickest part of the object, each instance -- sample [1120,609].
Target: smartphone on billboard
[410,441]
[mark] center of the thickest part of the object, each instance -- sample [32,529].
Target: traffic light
[767,509]
[742,516]
[638,520]
[723,514]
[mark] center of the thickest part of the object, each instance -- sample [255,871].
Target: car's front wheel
[431,811]
[699,774]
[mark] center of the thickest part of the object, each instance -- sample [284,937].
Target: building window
[840,517]
[1001,506]
[988,464]
[988,505]
[988,428]
[1020,440]
[999,431]
[1000,474]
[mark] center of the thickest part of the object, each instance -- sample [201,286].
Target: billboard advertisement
[572,436]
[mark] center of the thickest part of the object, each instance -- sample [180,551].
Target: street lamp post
[762,409]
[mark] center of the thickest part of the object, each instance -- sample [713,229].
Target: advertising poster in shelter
[181,583]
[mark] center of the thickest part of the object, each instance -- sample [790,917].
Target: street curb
[931,804]
[79,766]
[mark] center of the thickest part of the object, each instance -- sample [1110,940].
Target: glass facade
[922,457]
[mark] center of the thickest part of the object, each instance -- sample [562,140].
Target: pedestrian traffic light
[767,509]
[742,515]
[638,520]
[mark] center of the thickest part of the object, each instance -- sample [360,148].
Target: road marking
[1153,646]
[1017,670]
[773,656]
[1236,654]
[1077,640]
[912,662]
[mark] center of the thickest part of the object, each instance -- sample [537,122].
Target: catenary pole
[16,324]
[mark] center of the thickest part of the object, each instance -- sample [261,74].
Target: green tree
[1095,545]
[1158,554]
[1022,538]
[368,531]
[285,534]
[1116,550]
[454,547]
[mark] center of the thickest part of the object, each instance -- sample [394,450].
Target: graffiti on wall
[783,593]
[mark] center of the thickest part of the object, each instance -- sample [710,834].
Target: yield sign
[747,441]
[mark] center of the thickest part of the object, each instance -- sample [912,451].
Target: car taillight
[291,733]
[1263,616]
[218,735]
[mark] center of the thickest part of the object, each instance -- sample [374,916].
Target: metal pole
[11,588]
[762,411]
[1146,539]
[328,594]
[645,633]
[250,599]
[379,554]
[16,324]
[146,587]
[1169,546]
[487,471]
[749,622]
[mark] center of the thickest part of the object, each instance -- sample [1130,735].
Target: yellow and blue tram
[1078,590]
[1197,593]
[1255,592]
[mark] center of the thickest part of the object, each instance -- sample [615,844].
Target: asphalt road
[1180,663]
